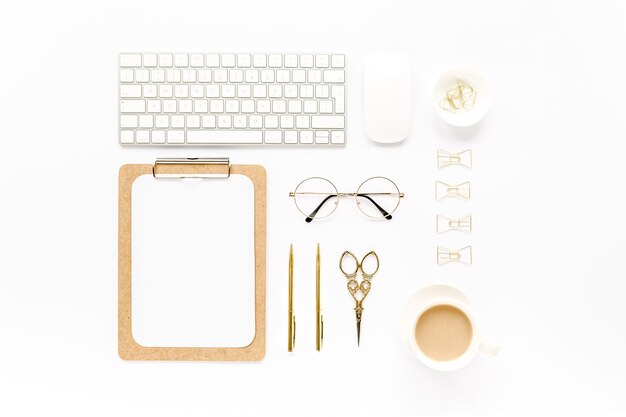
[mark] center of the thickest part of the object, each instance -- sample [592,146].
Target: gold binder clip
[291,333]
[443,190]
[445,224]
[445,255]
[445,158]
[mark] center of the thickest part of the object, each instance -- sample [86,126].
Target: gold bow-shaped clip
[462,224]
[443,190]
[445,255]
[463,158]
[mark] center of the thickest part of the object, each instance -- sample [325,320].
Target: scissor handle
[367,274]
[356,264]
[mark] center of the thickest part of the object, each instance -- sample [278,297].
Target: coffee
[443,332]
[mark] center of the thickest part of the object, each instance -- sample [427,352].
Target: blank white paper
[193,262]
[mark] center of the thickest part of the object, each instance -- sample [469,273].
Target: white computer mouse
[387,97]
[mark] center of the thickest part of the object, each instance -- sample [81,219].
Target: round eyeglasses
[376,197]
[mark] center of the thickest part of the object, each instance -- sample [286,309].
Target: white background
[548,201]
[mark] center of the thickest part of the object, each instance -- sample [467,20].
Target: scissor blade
[358,332]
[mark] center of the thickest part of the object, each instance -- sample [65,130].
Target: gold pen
[319,328]
[292,318]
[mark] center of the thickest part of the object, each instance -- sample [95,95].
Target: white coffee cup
[443,295]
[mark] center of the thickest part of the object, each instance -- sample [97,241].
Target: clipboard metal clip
[178,168]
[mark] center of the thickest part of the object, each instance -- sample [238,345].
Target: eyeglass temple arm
[382,210]
[311,216]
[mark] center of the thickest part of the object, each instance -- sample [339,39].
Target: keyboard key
[178,121]
[169,106]
[201,106]
[306,61]
[243,60]
[185,106]
[127,75]
[291,61]
[196,90]
[306,91]
[256,121]
[327,122]
[130,91]
[321,61]
[204,76]
[291,136]
[142,76]
[334,76]
[326,106]
[310,106]
[166,60]
[263,106]
[146,121]
[302,122]
[247,106]
[267,76]
[275,60]
[162,121]
[193,121]
[252,76]
[314,76]
[128,121]
[154,106]
[166,91]
[173,76]
[271,121]
[286,122]
[228,60]
[208,122]
[130,60]
[232,106]
[217,106]
[273,136]
[213,60]
[244,91]
[142,136]
[157,75]
[282,76]
[175,136]
[321,136]
[275,91]
[306,136]
[259,60]
[259,91]
[127,136]
[132,106]
[321,91]
[298,76]
[337,137]
[225,136]
[197,60]
[337,61]
[189,76]
[181,60]
[279,106]
[291,91]
[150,60]
[239,121]
[228,91]
[181,91]
[212,91]
[235,76]
[337,92]
[295,106]
[220,76]
[158,136]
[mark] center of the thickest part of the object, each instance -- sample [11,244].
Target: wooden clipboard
[128,348]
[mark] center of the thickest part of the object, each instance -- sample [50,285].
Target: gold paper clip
[443,190]
[445,224]
[445,158]
[291,333]
[319,325]
[445,255]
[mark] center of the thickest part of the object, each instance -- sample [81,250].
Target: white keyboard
[232,99]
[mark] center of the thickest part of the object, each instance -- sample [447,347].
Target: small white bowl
[462,118]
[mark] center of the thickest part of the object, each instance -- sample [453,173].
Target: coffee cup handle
[489,347]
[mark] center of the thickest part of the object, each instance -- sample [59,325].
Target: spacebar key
[224,136]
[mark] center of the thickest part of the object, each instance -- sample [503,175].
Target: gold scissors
[358,291]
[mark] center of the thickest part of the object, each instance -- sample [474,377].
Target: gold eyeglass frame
[354,194]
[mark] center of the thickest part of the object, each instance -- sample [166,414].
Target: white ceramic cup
[436,295]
